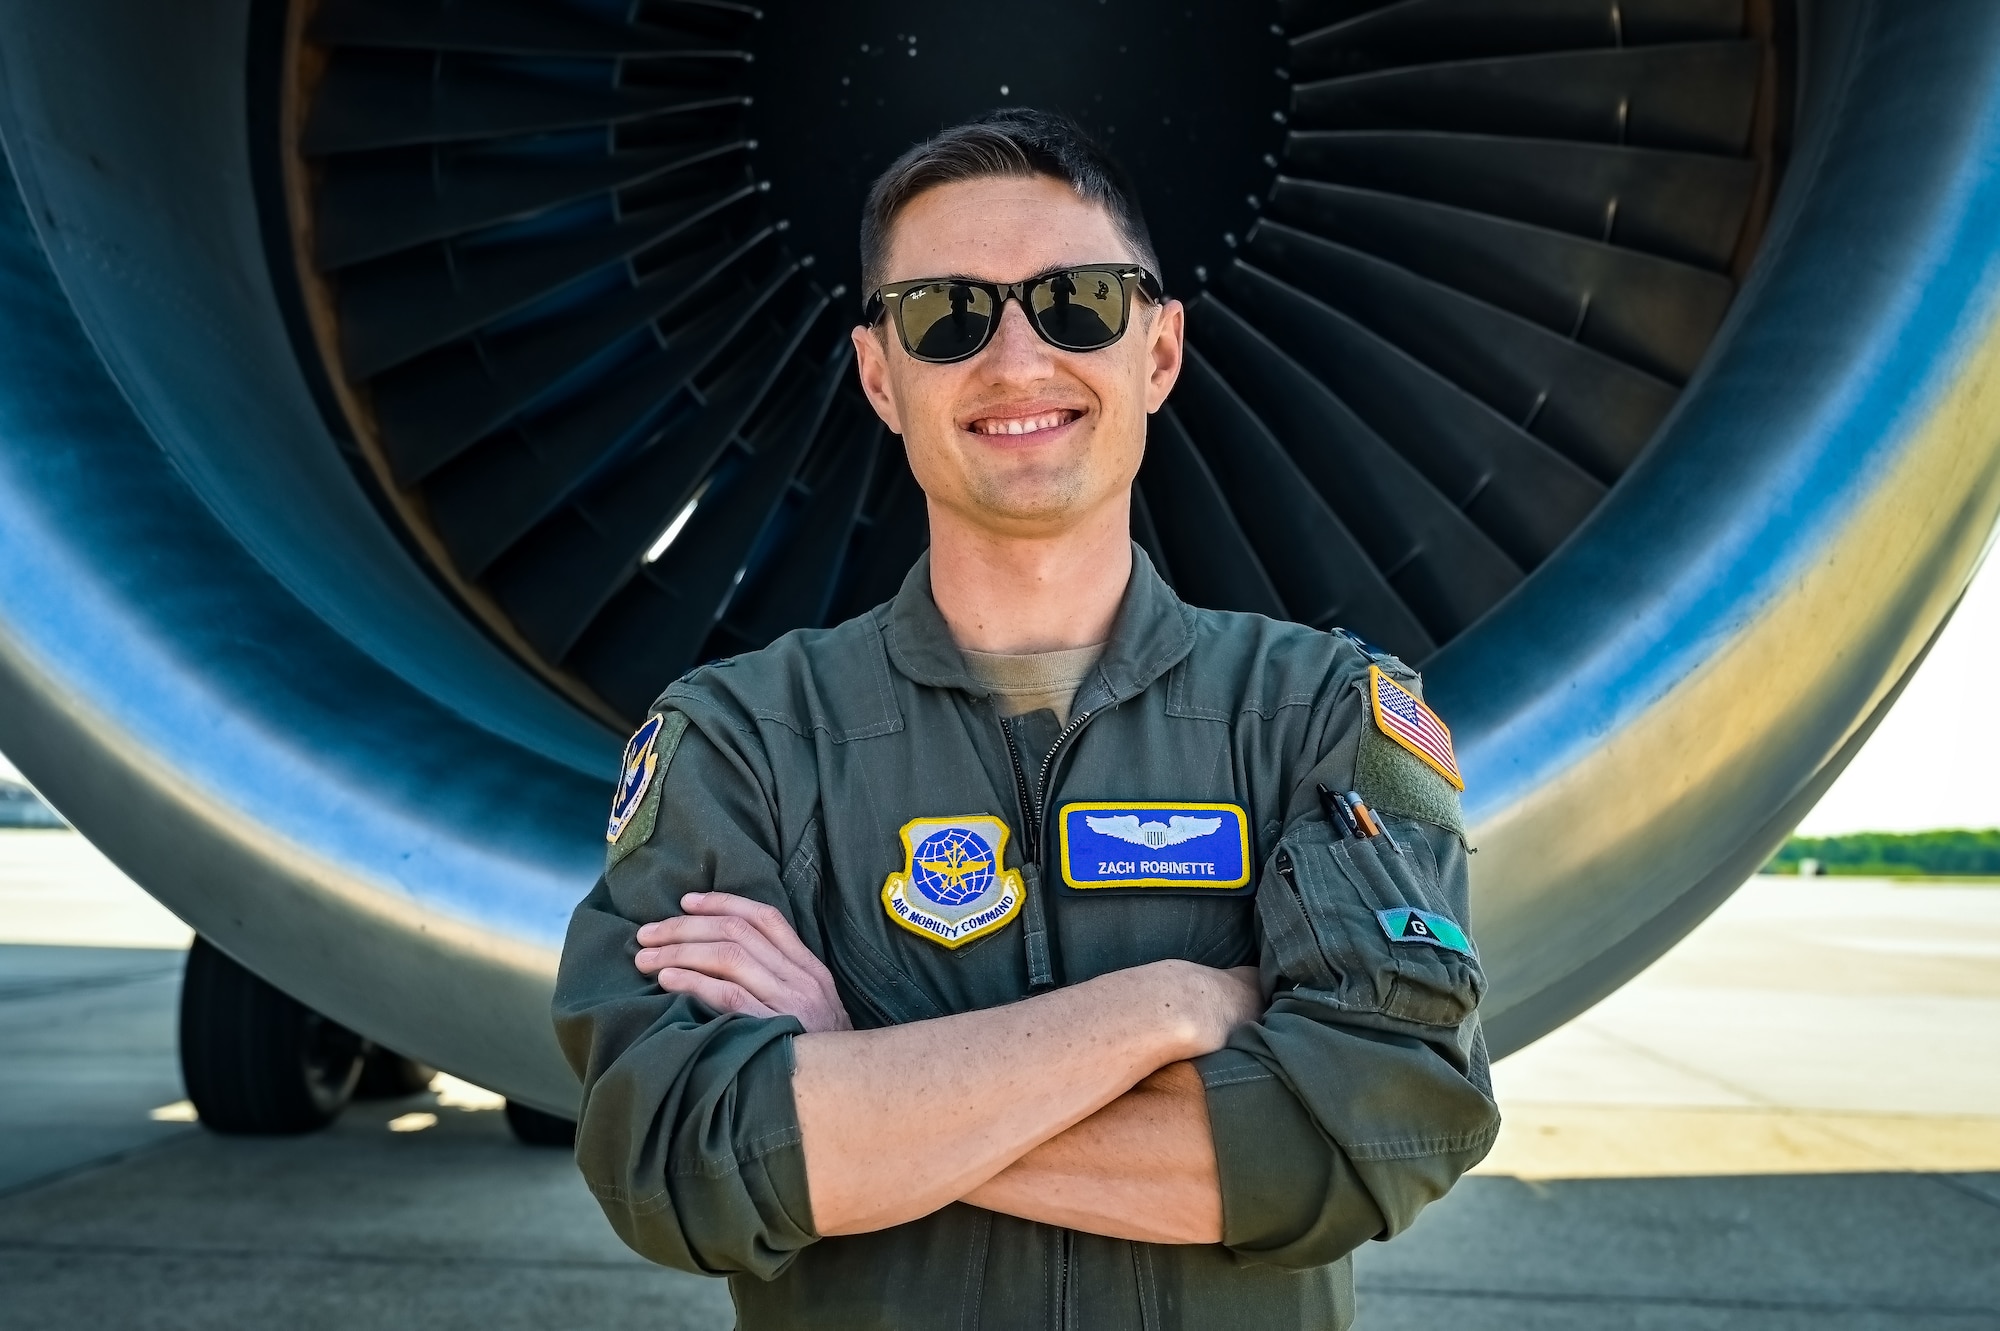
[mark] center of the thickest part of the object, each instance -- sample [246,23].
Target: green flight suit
[1361,1095]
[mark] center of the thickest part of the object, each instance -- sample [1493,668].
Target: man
[1033,951]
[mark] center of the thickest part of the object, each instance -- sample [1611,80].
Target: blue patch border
[1205,886]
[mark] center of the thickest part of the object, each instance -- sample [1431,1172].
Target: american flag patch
[1402,716]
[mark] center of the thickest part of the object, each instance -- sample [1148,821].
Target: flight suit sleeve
[688,1135]
[1364,1092]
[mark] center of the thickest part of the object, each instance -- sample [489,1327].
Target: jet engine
[398,393]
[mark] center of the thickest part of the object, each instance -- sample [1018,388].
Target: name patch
[1155,845]
[1404,925]
[954,886]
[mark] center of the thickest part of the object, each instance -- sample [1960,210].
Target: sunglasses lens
[945,320]
[1080,310]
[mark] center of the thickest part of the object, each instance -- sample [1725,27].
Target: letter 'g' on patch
[1405,925]
[954,886]
[1155,844]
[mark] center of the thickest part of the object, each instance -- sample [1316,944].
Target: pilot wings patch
[1155,845]
[1153,835]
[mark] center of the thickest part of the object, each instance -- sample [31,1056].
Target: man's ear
[1166,349]
[871,362]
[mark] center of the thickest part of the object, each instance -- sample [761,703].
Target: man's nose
[1016,352]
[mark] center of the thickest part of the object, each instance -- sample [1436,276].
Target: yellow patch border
[1242,830]
[900,883]
[1376,679]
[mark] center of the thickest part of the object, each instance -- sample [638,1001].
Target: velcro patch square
[1402,716]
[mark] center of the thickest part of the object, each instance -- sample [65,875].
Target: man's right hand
[739,955]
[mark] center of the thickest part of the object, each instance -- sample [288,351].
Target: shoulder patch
[635,805]
[1405,925]
[1402,716]
[1394,779]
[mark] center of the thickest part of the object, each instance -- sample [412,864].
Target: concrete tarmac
[1792,1121]
[456,1225]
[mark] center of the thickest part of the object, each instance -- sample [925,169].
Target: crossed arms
[730,1118]
[1075,1108]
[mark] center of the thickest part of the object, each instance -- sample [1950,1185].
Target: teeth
[1022,424]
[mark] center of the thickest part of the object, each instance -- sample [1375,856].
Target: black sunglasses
[946,319]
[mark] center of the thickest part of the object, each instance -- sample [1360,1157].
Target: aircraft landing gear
[532,1127]
[387,1075]
[257,1061]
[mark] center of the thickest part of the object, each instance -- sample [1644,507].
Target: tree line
[1954,853]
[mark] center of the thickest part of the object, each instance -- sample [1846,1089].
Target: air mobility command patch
[953,887]
[1404,925]
[1155,845]
[1402,716]
[635,805]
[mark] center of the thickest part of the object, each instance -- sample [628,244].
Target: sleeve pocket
[1368,926]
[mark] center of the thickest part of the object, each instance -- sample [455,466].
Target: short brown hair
[1010,142]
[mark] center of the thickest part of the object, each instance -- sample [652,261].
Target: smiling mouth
[1045,420]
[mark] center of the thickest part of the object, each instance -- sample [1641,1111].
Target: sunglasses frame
[886,300]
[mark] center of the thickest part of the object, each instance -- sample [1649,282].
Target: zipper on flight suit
[1044,959]
[1030,850]
[1035,924]
[1033,811]
[1064,1242]
[1289,872]
[1050,761]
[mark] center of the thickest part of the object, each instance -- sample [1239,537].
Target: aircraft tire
[256,1061]
[532,1127]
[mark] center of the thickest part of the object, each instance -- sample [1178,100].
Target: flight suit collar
[1152,632]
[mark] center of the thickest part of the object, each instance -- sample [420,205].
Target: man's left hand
[739,955]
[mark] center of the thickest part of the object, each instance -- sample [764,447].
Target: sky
[1932,763]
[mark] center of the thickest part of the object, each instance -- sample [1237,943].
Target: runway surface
[1791,1121]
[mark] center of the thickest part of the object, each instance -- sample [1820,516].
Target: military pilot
[1034,950]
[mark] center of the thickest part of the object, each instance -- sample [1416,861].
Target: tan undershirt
[1034,681]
